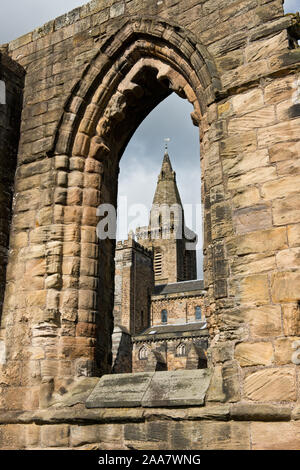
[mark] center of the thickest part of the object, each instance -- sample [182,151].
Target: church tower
[167,236]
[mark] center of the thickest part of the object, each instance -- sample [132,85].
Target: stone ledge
[78,393]
[148,390]
[207,413]
[260,412]
[81,415]
[114,415]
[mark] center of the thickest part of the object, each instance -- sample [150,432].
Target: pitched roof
[178,287]
[167,332]
[196,326]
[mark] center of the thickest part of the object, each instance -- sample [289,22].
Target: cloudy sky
[142,159]
[22,16]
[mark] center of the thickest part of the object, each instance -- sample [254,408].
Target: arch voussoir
[137,38]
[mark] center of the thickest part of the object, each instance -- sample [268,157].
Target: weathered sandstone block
[271,385]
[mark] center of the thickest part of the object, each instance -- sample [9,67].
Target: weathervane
[167,140]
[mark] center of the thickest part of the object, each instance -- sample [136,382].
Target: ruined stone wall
[259,157]
[234,426]
[180,307]
[11,89]
[238,64]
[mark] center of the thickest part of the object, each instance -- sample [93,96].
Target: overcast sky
[22,16]
[142,159]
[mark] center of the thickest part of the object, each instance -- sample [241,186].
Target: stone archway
[122,85]
[85,73]
[65,323]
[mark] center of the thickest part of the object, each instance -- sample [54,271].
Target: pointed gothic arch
[140,38]
[132,73]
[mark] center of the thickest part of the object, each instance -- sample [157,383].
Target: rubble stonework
[92,76]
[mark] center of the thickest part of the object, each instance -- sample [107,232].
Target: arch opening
[95,130]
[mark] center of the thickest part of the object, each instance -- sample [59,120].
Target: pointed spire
[166,168]
[166,189]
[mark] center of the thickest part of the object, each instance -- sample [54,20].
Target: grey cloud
[22,16]
[291,6]
[19,17]
[146,148]
[141,162]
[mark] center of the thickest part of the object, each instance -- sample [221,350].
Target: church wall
[180,307]
[190,265]
[167,351]
[121,351]
[143,285]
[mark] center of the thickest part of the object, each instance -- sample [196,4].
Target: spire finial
[167,140]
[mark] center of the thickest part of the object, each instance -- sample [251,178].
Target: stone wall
[218,427]
[238,64]
[11,90]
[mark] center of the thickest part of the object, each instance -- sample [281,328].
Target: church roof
[196,326]
[178,287]
[168,332]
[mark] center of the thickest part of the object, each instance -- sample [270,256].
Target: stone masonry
[91,77]
[11,89]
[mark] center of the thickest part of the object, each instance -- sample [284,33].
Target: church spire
[166,189]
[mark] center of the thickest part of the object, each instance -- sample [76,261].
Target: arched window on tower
[198,313]
[164,316]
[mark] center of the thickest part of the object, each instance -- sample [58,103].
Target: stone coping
[221,412]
